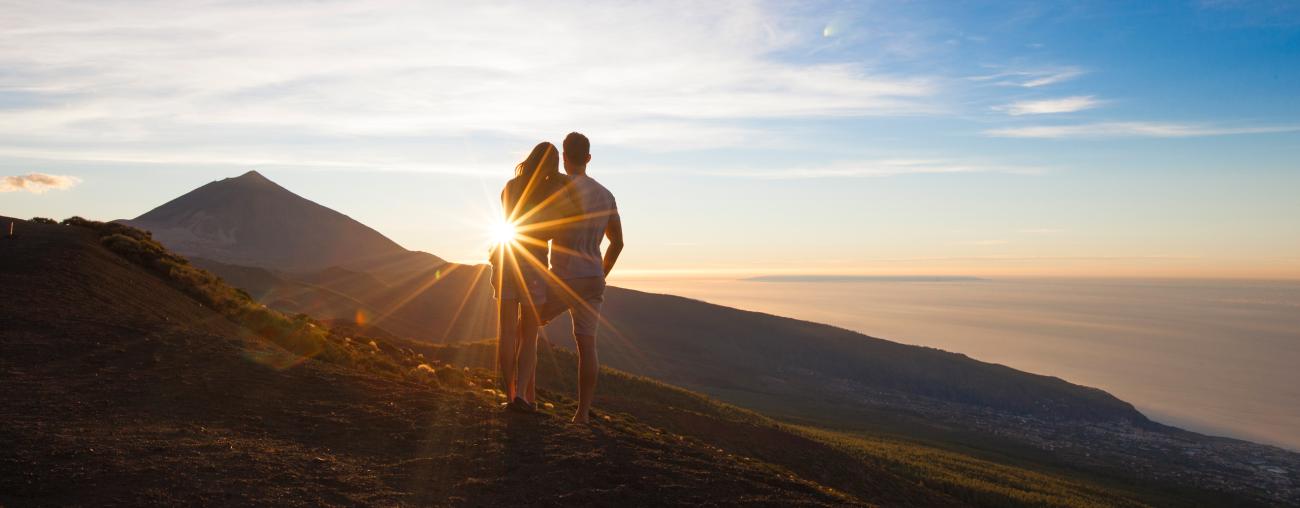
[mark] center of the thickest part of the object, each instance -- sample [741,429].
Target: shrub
[43,220]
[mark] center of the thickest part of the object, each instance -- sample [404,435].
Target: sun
[502,232]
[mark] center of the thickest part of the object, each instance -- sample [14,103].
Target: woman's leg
[531,389]
[507,344]
[527,353]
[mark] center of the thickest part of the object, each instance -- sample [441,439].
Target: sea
[1220,357]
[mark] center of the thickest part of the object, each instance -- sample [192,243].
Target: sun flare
[502,232]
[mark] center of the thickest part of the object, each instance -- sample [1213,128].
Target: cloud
[876,168]
[661,74]
[37,183]
[1041,231]
[1031,78]
[1132,129]
[1049,106]
[983,243]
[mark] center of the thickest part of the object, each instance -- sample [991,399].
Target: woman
[533,202]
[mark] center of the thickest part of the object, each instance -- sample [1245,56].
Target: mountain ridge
[251,220]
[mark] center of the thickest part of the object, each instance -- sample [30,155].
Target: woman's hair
[542,162]
[536,178]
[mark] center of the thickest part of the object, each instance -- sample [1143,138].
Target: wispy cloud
[1041,231]
[982,243]
[1031,78]
[1050,106]
[1133,129]
[37,183]
[159,74]
[876,168]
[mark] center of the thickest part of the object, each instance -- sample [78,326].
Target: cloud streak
[1133,130]
[37,183]
[1031,78]
[876,168]
[1051,106]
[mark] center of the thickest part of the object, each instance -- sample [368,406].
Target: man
[579,266]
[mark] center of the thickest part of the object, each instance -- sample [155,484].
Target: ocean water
[1218,357]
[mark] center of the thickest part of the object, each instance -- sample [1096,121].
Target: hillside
[713,348]
[805,373]
[444,303]
[121,387]
[132,379]
[720,349]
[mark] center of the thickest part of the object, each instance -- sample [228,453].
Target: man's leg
[588,369]
[585,312]
[507,340]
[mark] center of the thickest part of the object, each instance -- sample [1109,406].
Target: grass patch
[298,334]
[970,479]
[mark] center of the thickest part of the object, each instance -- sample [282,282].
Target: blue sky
[991,138]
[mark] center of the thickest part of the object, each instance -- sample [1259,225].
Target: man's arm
[613,231]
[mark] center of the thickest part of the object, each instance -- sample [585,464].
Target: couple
[553,265]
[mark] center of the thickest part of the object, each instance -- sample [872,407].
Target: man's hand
[613,231]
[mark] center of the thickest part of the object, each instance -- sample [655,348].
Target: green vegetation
[298,334]
[972,480]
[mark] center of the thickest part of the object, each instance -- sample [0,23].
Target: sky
[1148,139]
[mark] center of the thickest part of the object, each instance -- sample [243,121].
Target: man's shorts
[582,297]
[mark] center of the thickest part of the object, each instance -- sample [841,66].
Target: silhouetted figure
[533,202]
[579,267]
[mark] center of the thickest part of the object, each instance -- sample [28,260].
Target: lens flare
[503,232]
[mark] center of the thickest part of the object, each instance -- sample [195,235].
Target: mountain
[300,257]
[816,375]
[250,220]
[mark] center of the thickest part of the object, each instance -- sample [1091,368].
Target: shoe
[520,405]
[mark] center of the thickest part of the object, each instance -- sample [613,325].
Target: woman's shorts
[530,287]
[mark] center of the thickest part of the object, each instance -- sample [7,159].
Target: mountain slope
[123,389]
[811,374]
[712,347]
[442,303]
[250,220]
[846,382]
[301,257]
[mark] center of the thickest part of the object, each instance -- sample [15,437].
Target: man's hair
[576,145]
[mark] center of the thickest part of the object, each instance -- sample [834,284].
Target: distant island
[863,278]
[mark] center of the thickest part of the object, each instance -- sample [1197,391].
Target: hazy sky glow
[1094,138]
